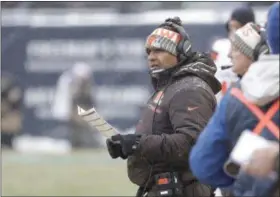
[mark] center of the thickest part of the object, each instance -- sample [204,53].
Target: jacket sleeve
[209,154]
[189,112]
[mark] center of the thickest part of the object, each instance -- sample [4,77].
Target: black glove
[122,145]
[114,149]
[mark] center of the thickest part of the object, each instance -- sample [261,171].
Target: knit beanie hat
[243,15]
[273,28]
[246,39]
[164,39]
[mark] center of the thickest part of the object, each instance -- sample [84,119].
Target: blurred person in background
[224,74]
[265,161]
[256,95]
[183,102]
[247,45]
[239,17]
[73,89]
[221,48]
[11,114]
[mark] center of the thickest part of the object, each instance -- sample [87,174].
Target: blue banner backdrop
[38,56]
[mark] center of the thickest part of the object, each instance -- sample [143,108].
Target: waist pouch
[168,184]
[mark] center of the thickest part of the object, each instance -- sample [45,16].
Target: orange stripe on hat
[164,39]
[166,33]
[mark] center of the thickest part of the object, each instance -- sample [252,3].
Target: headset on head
[184,46]
[262,47]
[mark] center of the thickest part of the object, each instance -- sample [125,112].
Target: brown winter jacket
[175,115]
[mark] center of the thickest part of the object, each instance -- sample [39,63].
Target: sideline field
[81,173]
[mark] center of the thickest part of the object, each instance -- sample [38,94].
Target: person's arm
[209,154]
[262,162]
[189,112]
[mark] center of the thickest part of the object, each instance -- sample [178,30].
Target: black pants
[6,139]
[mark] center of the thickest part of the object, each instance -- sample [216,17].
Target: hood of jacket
[260,84]
[200,65]
[203,71]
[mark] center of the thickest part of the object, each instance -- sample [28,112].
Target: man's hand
[263,161]
[122,145]
[115,149]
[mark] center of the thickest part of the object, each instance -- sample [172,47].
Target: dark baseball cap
[243,15]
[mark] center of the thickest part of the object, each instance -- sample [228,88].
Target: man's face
[233,26]
[240,61]
[158,58]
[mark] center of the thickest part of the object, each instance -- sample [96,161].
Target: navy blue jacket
[215,143]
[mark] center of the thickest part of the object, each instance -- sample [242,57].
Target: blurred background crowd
[56,55]
[130,6]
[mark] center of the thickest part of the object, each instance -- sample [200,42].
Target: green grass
[81,173]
